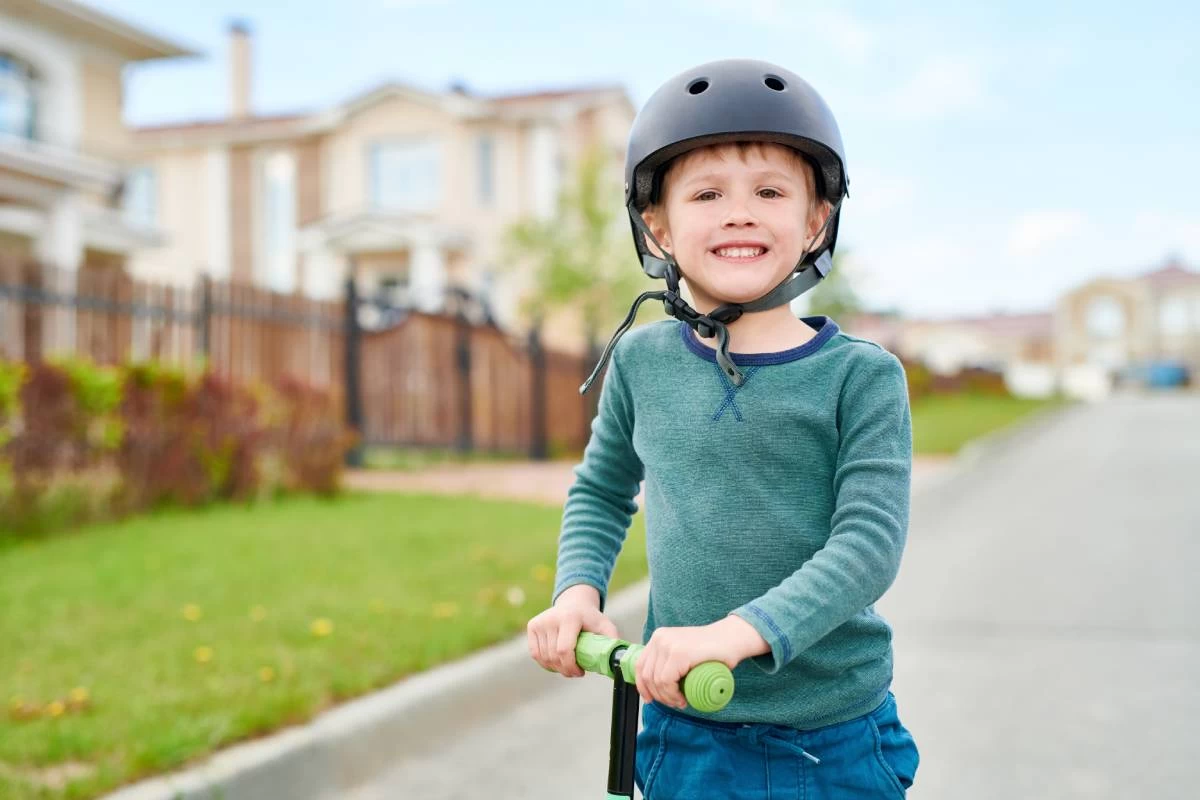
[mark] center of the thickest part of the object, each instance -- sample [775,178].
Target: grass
[942,424]
[334,598]
[413,459]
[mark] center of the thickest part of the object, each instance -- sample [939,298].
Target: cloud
[941,86]
[1034,232]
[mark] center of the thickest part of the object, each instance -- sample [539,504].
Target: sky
[999,153]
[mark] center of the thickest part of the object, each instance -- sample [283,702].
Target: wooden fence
[421,380]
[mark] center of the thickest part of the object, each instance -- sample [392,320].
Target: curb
[364,738]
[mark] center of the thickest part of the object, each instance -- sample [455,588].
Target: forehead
[739,156]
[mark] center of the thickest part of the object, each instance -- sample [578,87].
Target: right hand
[553,633]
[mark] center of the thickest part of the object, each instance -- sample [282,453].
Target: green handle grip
[707,687]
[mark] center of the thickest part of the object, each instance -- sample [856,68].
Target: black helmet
[729,101]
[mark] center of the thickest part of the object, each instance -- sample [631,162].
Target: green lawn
[943,424]
[405,582]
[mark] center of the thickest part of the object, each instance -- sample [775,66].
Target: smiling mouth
[739,255]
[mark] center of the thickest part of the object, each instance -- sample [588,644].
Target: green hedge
[81,442]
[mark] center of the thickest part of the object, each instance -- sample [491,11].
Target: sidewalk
[536,481]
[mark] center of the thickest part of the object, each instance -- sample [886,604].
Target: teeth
[741,252]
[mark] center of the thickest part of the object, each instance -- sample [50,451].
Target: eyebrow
[710,177]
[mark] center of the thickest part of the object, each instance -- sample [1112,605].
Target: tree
[581,256]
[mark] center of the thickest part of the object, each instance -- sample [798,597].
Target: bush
[80,442]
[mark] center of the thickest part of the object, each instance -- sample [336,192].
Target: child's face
[736,221]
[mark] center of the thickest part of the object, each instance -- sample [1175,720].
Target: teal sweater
[784,501]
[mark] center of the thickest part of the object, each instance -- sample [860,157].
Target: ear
[815,221]
[656,221]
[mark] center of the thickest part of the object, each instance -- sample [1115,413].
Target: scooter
[707,687]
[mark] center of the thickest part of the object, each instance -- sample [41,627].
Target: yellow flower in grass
[266,674]
[542,573]
[79,694]
[486,595]
[258,613]
[203,654]
[444,610]
[56,708]
[321,627]
[378,607]
[192,612]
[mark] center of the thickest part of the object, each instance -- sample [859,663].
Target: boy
[776,464]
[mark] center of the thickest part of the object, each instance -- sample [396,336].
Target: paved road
[1048,642]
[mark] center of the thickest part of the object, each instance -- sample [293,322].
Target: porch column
[60,245]
[427,276]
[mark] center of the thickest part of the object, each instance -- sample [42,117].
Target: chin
[740,293]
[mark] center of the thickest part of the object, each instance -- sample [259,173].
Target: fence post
[537,394]
[204,318]
[465,432]
[352,371]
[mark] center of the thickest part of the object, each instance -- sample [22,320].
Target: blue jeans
[684,758]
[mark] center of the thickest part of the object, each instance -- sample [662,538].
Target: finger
[640,670]
[604,626]
[546,650]
[666,681]
[568,635]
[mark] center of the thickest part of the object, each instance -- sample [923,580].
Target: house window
[18,98]
[1105,318]
[486,158]
[139,200]
[1173,316]
[279,222]
[406,175]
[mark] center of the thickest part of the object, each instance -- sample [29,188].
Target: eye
[705,193]
[773,193]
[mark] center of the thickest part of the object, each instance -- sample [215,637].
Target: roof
[297,124]
[85,23]
[1174,273]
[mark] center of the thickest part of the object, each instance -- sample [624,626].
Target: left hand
[672,652]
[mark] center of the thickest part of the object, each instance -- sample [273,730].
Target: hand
[672,652]
[552,634]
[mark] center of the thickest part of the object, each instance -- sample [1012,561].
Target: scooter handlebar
[707,687]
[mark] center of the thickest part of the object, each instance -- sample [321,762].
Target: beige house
[69,193]
[993,341]
[1112,323]
[411,190]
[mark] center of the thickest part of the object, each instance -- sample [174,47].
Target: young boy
[776,464]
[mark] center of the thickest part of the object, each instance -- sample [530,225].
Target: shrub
[81,442]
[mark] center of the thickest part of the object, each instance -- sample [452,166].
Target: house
[1111,324]
[70,195]
[410,190]
[1095,332]
[1020,346]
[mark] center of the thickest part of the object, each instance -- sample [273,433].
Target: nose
[738,215]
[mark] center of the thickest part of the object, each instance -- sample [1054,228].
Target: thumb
[598,623]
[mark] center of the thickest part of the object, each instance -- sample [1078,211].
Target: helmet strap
[802,278]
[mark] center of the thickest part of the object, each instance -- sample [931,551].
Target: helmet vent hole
[775,83]
[697,86]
